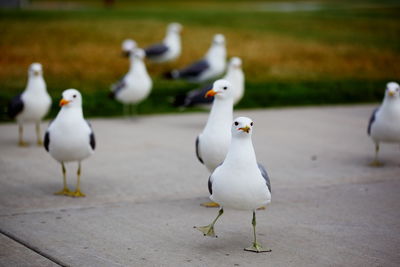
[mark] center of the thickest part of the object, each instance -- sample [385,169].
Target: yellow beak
[391,93]
[64,102]
[245,129]
[210,93]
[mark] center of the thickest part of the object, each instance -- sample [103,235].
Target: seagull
[70,137]
[211,66]
[240,182]
[384,124]
[31,105]
[169,49]
[213,142]
[234,75]
[127,46]
[136,85]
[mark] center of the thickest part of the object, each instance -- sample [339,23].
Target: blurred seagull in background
[384,124]
[70,137]
[213,142]
[31,105]
[240,182]
[170,48]
[128,45]
[196,97]
[210,67]
[136,85]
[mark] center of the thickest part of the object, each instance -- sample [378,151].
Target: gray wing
[371,120]
[118,86]
[156,50]
[92,139]
[265,175]
[194,70]
[197,97]
[197,150]
[15,106]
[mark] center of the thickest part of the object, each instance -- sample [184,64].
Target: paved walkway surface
[144,186]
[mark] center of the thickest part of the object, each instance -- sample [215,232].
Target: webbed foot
[77,193]
[207,230]
[64,192]
[39,143]
[257,248]
[210,204]
[23,144]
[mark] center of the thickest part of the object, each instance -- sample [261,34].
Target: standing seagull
[127,47]
[213,143]
[211,66]
[234,75]
[70,137]
[136,85]
[170,48]
[33,104]
[384,124]
[240,182]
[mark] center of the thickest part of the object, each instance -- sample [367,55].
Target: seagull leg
[208,230]
[65,191]
[376,162]
[38,134]
[256,247]
[78,192]
[210,204]
[21,141]
[126,110]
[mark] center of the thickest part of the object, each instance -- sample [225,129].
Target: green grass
[342,53]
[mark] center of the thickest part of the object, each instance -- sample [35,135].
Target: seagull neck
[221,113]
[241,151]
[172,38]
[137,65]
[71,112]
[216,52]
[36,84]
[390,104]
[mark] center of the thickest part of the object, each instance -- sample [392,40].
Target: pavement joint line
[33,248]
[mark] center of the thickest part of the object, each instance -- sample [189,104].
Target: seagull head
[235,62]
[138,53]
[71,98]
[393,90]
[174,27]
[242,126]
[35,69]
[222,89]
[127,46]
[219,39]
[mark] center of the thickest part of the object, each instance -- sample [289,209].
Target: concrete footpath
[144,186]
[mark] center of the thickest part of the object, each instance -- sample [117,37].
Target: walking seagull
[210,67]
[31,105]
[70,137]
[240,182]
[136,85]
[384,124]
[234,75]
[213,142]
[170,48]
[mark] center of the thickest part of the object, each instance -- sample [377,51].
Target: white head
[392,90]
[127,46]
[138,53]
[222,89]
[242,127]
[35,69]
[219,39]
[71,98]
[235,62]
[174,27]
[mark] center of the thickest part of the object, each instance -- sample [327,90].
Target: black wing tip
[46,141]
[168,75]
[111,95]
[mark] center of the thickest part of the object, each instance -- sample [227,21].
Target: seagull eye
[251,123]
[236,123]
[74,96]
[225,88]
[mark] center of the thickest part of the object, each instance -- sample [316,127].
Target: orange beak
[63,102]
[245,129]
[210,93]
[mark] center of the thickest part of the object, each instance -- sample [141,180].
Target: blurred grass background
[294,53]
